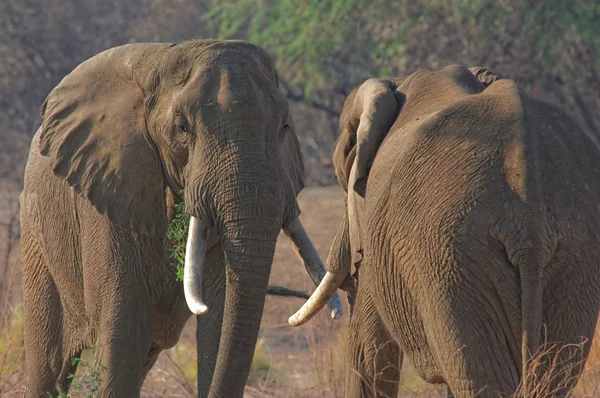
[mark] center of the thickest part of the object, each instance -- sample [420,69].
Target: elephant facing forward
[472,217]
[121,137]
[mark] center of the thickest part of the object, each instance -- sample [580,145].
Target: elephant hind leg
[568,327]
[374,359]
[479,363]
[472,342]
[42,322]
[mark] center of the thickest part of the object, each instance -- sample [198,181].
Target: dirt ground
[307,361]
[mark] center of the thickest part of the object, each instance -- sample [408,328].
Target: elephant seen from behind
[472,219]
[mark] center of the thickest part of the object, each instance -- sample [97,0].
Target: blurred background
[323,49]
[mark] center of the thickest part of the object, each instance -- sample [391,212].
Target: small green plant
[177,234]
[89,382]
[85,385]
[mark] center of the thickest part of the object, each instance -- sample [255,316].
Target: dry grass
[289,362]
[552,370]
[11,342]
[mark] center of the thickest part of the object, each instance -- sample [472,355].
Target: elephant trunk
[249,229]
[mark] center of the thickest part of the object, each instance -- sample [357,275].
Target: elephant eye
[181,124]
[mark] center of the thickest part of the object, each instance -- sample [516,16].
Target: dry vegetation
[42,41]
[289,362]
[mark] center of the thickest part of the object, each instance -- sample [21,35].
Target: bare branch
[302,98]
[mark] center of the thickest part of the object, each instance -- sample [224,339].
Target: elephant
[471,219]
[125,137]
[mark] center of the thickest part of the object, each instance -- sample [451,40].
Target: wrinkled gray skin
[476,209]
[120,136]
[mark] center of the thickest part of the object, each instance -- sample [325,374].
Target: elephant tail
[531,314]
[281,291]
[531,318]
[530,253]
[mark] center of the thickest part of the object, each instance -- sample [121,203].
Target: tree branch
[289,92]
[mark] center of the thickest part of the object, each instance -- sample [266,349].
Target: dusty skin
[121,136]
[468,204]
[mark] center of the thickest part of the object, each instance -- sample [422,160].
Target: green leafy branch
[310,38]
[177,235]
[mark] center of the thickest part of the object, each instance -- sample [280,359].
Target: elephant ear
[371,114]
[344,151]
[94,132]
[485,76]
[376,107]
[291,155]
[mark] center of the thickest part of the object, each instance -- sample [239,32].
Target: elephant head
[368,114]
[205,117]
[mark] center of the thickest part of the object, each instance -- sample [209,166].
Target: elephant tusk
[312,262]
[326,289]
[195,252]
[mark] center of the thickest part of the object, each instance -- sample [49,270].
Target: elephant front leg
[123,347]
[48,357]
[374,359]
[150,361]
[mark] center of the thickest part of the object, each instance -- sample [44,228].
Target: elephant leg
[124,342]
[42,322]
[124,332]
[473,330]
[374,359]
[150,361]
[478,364]
[208,332]
[568,329]
[121,292]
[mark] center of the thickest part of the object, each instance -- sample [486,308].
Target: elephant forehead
[236,88]
[229,88]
